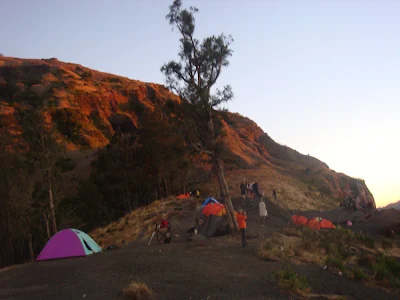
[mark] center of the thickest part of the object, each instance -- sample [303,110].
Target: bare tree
[193,78]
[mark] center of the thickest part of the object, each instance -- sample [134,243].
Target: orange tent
[183,196]
[299,220]
[216,209]
[313,223]
[327,224]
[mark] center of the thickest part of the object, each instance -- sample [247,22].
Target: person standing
[263,210]
[241,218]
[243,190]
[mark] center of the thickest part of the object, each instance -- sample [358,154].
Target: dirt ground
[216,268]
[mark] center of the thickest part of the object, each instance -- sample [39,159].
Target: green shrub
[386,268]
[65,164]
[367,260]
[309,239]
[288,280]
[70,122]
[366,240]
[335,262]
[382,272]
[387,244]
[359,273]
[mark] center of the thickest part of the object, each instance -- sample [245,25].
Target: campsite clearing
[213,268]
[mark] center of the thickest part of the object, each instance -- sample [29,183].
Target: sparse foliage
[137,291]
[289,281]
[193,78]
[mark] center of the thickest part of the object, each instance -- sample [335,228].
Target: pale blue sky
[322,77]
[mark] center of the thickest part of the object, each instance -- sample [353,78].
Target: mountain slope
[86,107]
[395,205]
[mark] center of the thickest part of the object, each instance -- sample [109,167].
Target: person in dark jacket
[243,190]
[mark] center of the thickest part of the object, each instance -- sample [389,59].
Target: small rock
[84,295]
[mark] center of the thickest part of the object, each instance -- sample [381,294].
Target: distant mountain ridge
[86,107]
[395,205]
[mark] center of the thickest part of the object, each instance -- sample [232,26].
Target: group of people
[350,203]
[250,190]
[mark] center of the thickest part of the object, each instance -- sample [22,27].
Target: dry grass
[137,291]
[141,222]
[290,191]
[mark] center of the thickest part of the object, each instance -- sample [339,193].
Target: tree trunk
[46,219]
[225,189]
[31,255]
[53,214]
[128,199]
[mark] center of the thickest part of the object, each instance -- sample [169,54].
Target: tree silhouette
[193,78]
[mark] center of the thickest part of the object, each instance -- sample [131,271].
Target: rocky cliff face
[86,107]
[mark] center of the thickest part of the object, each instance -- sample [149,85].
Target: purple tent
[69,243]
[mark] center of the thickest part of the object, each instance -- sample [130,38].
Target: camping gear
[299,220]
[216,209]
[183,196]
[69,243]
[215,226]
[111,247]
[313,223]
[154,232]
[163,232]
[349,223]
[208,200]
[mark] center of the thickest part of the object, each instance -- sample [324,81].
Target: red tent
[216,209]
[299,220]
[183,196]
[327,224]
[313,223]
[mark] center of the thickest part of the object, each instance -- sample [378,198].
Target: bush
[137,291]
[366,240]
[272,250]
[309,238]
[288,280]
[387,244]
[335,262]
[359,273]
[382,272]
[386,268]
[367,260]
[70,122]
[65,164]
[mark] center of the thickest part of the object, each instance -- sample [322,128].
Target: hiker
[274,194]
[256,190]
[241,219]
[263,210]
[243,190]
[164,222]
